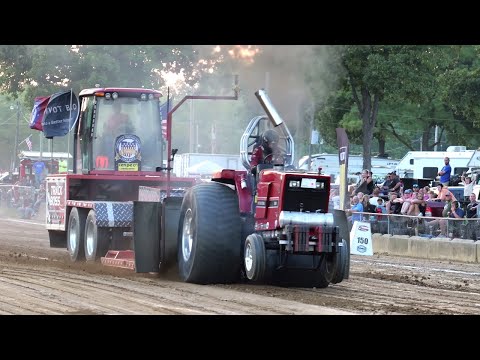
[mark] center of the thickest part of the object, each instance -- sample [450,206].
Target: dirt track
[35,279]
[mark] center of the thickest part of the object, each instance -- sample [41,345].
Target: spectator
[445,213]
[467,187]
[456,212]
[394,204]
[25,211]
[431,196]
[39,167]
[355,210]
[336,199]
[472,206]
[62,166]
[375,196]
[367,206]
[418,206]
[407,197]
[365,184]
[471,213]
[391,184]
[380,203]
[442,193]
[445,172]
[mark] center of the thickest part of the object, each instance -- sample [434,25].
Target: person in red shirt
[266,151]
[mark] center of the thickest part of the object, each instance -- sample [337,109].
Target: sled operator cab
[119,130]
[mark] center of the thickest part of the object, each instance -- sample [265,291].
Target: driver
[266,151]
[118,122]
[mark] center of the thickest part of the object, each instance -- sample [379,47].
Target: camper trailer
[427,164]
[330,165]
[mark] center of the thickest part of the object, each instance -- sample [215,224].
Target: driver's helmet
[270,138]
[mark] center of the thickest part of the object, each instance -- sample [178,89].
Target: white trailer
[427,164]
[203,164]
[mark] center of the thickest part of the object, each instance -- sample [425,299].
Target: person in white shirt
[467,187]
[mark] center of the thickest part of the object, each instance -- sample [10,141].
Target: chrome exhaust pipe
[268,107]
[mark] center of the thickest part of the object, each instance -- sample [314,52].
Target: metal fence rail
[424,226]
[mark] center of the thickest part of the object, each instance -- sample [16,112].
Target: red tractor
[274,227]
[124,207]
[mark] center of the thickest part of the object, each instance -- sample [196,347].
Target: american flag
[29,143]
[163,114]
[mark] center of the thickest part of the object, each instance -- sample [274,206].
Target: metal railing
[424,226]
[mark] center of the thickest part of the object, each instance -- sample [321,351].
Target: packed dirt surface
[37,279]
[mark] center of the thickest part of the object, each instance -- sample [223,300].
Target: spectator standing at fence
[445,213]
[472,206]
[456,212]
[471,213]
[445,172]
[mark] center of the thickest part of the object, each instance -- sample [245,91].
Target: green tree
[377,75]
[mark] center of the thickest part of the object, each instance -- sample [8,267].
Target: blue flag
[61,114]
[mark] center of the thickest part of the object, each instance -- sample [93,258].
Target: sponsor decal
[361,248]
[363,228]
[127,167]
[128,153]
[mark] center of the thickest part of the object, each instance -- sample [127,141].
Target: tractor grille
[306,239]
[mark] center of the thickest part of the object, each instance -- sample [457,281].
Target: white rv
[330,164]
[427,164]
[474,163]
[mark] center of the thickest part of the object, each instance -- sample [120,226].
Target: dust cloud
[283,71]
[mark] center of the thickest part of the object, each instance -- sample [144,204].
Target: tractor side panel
[114,214]
[56,209]
[146,235]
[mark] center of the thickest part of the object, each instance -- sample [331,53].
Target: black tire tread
[217,238]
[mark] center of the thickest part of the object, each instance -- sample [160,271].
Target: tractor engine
[291,212]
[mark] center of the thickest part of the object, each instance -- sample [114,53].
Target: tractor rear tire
[96,238]
[342,263]
[76,234]
[255,258]
[299,275]
[209,237]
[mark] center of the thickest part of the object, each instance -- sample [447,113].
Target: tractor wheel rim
[187,236]
[248,257]
[72,236]
[89,238]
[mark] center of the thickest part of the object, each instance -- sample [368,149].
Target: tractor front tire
[255,258]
